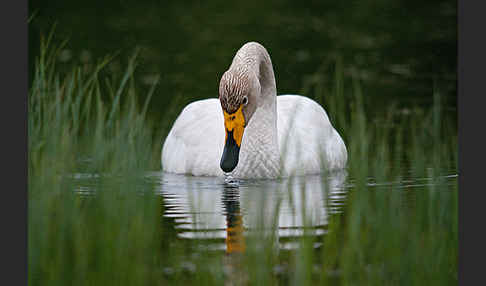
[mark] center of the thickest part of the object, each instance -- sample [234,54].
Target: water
[206,208]
[222,214]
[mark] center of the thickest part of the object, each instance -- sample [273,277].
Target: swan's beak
[234,124]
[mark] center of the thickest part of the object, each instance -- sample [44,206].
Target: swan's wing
[307,139]
[195,142]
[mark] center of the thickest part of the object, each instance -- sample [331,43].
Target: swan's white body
[287,135]
[195,142]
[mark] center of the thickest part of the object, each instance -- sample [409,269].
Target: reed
[108,236]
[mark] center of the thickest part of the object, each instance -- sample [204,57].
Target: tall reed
[110,236]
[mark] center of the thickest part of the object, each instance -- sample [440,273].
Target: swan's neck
[259,153]
[254,58]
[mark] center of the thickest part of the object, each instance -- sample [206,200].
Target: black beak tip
[231,153]
[227,167]
[229,160]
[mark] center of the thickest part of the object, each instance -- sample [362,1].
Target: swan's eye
[245,100]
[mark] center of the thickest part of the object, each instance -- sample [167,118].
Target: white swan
[251,132]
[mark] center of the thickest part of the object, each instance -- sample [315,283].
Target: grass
[74,240]
[90,122]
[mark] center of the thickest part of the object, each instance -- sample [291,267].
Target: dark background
[400,50]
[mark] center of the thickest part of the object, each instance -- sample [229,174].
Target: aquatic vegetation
[89,124]
[74,132]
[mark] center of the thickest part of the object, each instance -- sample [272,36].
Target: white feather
[307,141]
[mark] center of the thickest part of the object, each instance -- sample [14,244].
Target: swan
[249,131]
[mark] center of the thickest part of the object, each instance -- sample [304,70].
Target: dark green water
[205,209]
[400,50]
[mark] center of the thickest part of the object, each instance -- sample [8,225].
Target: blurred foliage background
[400,50]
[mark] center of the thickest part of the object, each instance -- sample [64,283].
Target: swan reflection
[208,208]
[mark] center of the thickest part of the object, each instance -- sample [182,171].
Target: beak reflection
[235,241]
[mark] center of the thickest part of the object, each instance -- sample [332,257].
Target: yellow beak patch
[235,122]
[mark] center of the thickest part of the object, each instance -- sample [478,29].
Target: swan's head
[238,95]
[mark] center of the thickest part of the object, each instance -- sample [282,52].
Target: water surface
[222,214]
